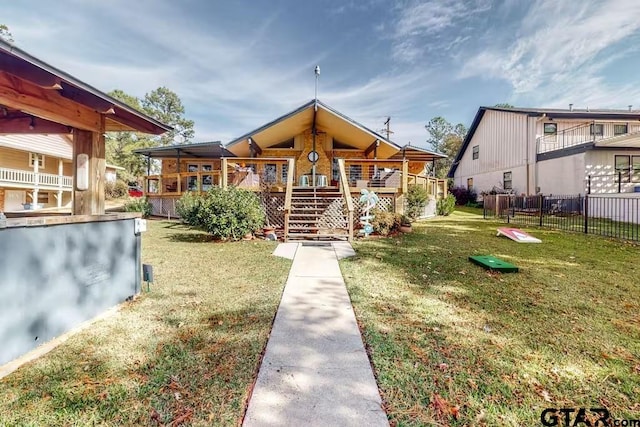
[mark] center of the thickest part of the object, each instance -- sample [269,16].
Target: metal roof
[21,64]
[207,150]
[418,154]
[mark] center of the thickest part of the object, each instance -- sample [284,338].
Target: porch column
[60,179]
[36,182]
[91,200]
[223,172]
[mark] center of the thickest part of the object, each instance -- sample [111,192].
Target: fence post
[497,207]
[619,181]
[586,214]
[541,202]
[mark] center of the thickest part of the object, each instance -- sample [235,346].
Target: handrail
[29,177]
[287,196]
[346,193]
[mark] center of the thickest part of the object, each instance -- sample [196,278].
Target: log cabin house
[313,161]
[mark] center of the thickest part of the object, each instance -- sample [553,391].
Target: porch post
[60,179]
[223,172]
[91,200]
[36,182]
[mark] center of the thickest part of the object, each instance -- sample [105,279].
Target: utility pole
[387,129]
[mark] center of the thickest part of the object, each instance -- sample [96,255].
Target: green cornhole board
[493,263]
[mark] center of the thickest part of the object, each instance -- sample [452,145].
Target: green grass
[187,352]
[453,344]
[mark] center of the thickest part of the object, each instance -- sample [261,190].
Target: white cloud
[560,51]
[420,26]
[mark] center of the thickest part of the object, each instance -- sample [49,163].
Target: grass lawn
[453,344]
[186,352]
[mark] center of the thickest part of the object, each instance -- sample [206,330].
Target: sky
[238,64]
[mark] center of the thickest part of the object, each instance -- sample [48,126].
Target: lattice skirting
[275,209]
[163,206]
[387,203]
[334,218]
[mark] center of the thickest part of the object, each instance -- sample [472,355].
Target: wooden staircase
[317,215]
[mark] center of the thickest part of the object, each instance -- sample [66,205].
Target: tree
[447,139]
[120,145]
[5,34]
[166,106]
[504,105]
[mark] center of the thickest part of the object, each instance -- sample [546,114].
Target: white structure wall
[563,176]
[506,142]
[600,164]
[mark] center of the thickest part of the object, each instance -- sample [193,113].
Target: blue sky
[239,64]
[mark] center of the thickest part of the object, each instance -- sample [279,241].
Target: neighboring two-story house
[550,151]
[36,171]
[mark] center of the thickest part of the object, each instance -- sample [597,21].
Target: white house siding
[600,165]
[562,176]
[502,140]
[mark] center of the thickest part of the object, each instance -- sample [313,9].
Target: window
[335,170]
[597,129]
[623,168]
[635,163]
[507,182]
[476,152]
[619,129]
[285,171]
[207,168]
[469,184]
[192,168]
[33,157]
[550,129]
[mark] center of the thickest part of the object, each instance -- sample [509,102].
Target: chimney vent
[630,107]
[570,107]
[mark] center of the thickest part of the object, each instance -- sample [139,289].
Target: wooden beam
[25,124]
[85,98]
[29,72]
[254,147]
[91,200]
[375,144]
[46,103]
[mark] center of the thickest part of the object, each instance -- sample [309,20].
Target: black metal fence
[612,216]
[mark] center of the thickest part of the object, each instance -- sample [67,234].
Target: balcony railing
[32,179]
[584,133]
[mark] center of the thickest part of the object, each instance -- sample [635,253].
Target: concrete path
[315,371]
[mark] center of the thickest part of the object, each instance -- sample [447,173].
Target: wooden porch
[300,209]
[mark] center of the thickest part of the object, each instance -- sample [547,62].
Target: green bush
[385,222]
[139,204]
[230,213]
[446,205]
[115,190]
[417,198]
[188,208]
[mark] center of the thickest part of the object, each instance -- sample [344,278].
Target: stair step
[306,236]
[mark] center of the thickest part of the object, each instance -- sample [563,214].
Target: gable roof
[302,118]
[418,154]
[556,113]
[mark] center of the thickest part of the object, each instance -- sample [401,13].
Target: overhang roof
[206,150]
[327,119]
[418,154]
[631,140]
[55,145]
[56,84]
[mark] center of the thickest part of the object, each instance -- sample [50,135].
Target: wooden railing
[177,183]
[287,197]
[383,175]
[247,172]
[434,186]
[346,193]
[17,176]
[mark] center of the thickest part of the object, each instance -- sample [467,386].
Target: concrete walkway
[315,371]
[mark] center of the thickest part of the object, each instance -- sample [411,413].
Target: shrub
[188,208]
[115,190]
[139,204]
[464,196]
[385,222]
[416,201]
[230,213]
[446,205]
